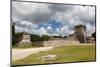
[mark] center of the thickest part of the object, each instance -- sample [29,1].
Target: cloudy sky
[51,19]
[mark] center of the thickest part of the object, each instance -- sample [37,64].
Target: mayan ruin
[49,33]
[79,36]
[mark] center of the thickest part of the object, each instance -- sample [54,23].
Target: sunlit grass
[64,54]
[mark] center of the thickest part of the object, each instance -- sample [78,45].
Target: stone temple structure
[79,36]
[80,33]
[25,39]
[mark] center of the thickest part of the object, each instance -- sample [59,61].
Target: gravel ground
[22,53]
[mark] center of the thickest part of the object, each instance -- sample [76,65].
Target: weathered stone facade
[90,40]
[80,33]
[76,38]
[62,42]
[25,39]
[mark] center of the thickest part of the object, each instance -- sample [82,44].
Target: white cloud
[19,29]
[42,31]
[90,29]
[32,12]
[71,32]
[28,15]
[65,30]
[49,29]
[57,30]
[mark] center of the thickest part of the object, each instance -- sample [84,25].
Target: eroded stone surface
[48,57]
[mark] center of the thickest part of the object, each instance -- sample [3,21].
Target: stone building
[25,39]
[80,33]
[90,40]
[79,36]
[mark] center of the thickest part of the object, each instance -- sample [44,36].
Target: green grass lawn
[64,54]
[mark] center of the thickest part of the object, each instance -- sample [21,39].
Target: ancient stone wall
[56,43]
[38,43]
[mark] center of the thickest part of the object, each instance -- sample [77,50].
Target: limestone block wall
[39,43]
[60,43]
[56,43]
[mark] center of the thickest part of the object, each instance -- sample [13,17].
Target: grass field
[64,54]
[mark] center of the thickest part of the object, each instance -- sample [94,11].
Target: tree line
[16,37]
[33,37]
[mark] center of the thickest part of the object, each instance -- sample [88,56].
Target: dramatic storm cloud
[51,19]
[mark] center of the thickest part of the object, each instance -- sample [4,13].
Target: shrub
[35,37]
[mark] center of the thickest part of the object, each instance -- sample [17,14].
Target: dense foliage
[35,37]
[16,38]
[94,35]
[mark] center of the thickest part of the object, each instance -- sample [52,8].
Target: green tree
[13,33]
[45,37]
[35,37]
[16,38]
[94,35]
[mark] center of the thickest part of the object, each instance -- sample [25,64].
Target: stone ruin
[79,36]
[25,39]
[80,33]
[48,58]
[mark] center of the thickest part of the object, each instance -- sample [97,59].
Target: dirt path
[22,53]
